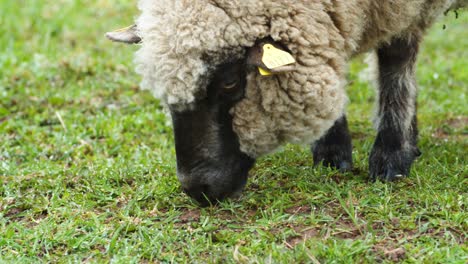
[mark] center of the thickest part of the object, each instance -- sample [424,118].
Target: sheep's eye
[230,85]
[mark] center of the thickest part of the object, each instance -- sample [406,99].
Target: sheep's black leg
[395,147]
[335,148]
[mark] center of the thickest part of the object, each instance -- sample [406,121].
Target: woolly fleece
[185,40]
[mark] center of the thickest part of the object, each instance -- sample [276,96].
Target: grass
[87,163]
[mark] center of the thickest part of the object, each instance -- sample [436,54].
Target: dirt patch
[378,225]
[342,229]
[244,216]
[303,235]
[99,248]
[458,122]
[189,215]
[390,253]
[253,187]
[346,229]
[445,131]
[299,209]
[458,235]
[37,218]
[13,212]
[4,119]
[331,208]
[338,178]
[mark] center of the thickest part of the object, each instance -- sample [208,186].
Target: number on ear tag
[275,58]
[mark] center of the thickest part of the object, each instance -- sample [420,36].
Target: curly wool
[184,41]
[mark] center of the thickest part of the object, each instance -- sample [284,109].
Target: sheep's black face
[210,165]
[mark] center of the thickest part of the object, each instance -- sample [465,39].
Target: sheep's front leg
[335,148]
[395,146]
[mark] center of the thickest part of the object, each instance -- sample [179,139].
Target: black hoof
[391,166]
[335,148]
[334,157]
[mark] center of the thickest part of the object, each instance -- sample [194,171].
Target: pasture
[87,161]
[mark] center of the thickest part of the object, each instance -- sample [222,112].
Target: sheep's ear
[271,58]
[127,35]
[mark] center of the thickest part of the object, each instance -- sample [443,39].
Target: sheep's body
[183,40]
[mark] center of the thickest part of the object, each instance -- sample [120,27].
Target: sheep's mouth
[206,196]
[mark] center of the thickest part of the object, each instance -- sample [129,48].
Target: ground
[87,162]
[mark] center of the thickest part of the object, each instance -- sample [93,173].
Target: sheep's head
[203,62]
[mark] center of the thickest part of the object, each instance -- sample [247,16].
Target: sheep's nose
[211,188]
[201,192]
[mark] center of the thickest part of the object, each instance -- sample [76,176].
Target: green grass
[87,163]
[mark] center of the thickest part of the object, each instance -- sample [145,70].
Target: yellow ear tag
[274,57]
[264,72]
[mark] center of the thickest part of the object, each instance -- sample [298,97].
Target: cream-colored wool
[184,40]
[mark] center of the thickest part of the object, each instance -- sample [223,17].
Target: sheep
[243,77]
